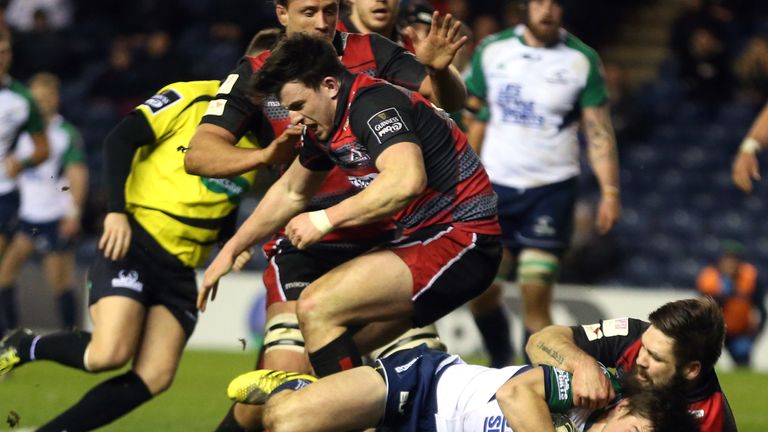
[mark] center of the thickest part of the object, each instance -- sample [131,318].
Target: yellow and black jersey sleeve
[164,108]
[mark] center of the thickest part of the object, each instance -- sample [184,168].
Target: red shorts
[450,266]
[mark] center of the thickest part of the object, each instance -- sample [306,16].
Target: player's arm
[289,195]
[555,345]
[35,127]
[477,115]
[603,157]
[76,173]
[745,164]
[522,401]
[212,151]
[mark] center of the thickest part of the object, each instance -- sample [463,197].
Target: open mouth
[381,13]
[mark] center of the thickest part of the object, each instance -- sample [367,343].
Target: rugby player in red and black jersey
[211,153]
[411,164]
[375,16]
[680,344]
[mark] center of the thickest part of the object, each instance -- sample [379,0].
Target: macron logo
[128,279]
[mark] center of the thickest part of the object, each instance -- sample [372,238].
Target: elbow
[534,341]
[411,189]
[192,163]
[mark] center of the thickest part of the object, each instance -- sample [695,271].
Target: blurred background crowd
[686,78]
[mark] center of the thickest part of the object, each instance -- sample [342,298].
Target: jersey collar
[343,99]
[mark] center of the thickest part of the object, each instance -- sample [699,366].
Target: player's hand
[242,259]
[69,227]
[591,387]
[13,166]
[117,236]
[220,266]
[441,44]
[282,150]
[302,232]
[608,213]
[745,170]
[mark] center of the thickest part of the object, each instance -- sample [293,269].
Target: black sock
[102,404]
[494,327]
[338,355]
[527,336]
[67,348]
[67,308]
[8,309]
[229,424]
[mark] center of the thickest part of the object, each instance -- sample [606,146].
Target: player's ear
[692,370]
[332,85]
[282,14]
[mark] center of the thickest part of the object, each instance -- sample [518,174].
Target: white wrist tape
[320,220]
[750,145]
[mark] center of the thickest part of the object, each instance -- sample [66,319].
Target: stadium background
[680,111]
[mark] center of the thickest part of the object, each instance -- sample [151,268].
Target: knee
[537,268]
[157,380]
[100,358]
[308,309]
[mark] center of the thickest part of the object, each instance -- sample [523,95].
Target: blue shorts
[45,236]
[9,212]
[411,377]
[540,217]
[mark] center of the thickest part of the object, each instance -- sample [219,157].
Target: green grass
[197,400]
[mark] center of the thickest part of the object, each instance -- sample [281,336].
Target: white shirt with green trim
[535,97]
[44,190]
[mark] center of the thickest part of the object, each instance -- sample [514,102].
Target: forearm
[554,345]
[448,90]
[759,130]
[77,176]
[41,150]
[525,410]
[603,156]
[214,154]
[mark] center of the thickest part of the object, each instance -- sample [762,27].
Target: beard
[546,34]
[631,382]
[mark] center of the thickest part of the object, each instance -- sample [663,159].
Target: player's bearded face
[544,20]
[655,366]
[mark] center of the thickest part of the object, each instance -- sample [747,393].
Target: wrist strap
[750,145]
[320,220]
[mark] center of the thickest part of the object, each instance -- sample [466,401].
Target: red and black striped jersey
[345,24]
[373,115]
[616,343]
[371,54]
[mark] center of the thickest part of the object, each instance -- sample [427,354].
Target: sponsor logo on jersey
[563,381]
[296,285]
[560,76]
[405,367]
[385,124]
[233,187]
[226,86]
[403,400]
[495,423]
[128,279]
[216,107]
[515,109]
[362,182]
[616,327]
[162,100]
[698,413]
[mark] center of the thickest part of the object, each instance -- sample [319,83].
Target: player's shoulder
[506,35]
[178,95]
[615,327]
[572,42]
[20,89]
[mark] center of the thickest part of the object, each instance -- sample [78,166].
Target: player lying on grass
[427,390]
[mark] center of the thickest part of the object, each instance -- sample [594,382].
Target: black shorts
[290,269]
[9,212]
[149,275]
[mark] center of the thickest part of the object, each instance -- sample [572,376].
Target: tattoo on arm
[551,352]
[602,142]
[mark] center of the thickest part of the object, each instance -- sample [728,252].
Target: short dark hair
[665,408]
[696,326]
[298,57]
[284,3]
[264,40]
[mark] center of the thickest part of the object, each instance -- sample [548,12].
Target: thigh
[117,325]
[174,286]
[59,269]
[9,211]
[160,348]
[449,266]
[13,259]
[375,286]
[350,400]
[548,222]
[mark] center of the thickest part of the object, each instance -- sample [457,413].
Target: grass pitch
[197,399]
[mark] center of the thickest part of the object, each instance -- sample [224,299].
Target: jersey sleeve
[35,124]
[607,340]
[74,153]
[396,64]
[594,93]
[557,389]
[233,109]
[162,109]
[475,80]
[382,116]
